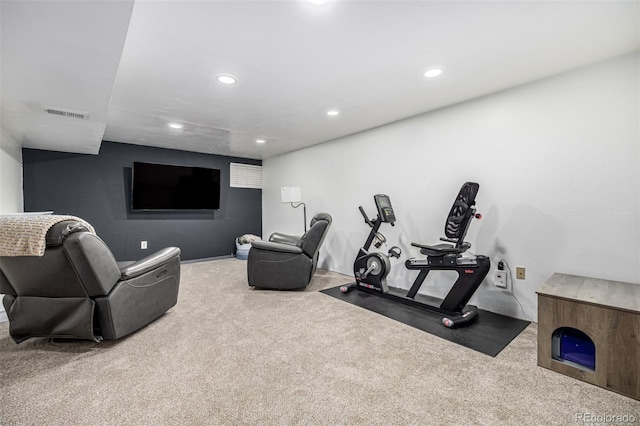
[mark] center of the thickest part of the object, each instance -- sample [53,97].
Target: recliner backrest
[76,263]
[93,261]
[311,241]
[461,212]
[50,275]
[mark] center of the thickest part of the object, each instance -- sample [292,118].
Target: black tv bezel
[173,209]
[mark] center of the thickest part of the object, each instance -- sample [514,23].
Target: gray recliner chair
[78,290]
[287,262]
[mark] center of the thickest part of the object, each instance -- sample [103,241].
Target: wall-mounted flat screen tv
[173,187]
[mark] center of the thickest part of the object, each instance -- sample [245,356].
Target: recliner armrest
[279,247]
[149,263]
[277,237]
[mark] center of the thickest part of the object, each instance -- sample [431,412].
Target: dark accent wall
[97,188]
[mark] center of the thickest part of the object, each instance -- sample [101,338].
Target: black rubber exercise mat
[489,334]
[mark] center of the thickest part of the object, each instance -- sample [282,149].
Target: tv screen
[171,187]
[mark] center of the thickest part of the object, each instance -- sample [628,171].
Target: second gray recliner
[287,262]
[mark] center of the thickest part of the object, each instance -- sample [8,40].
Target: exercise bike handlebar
[366,218]
[371,223]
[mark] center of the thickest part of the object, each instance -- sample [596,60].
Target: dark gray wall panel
[97,188]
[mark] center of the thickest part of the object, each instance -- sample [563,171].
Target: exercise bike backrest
[461,213]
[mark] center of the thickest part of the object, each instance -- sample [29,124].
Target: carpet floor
[227,354]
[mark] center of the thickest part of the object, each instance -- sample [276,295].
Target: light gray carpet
[230,355]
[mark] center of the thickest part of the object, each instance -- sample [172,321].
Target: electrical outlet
[143,245]
[500,278]
[520,272]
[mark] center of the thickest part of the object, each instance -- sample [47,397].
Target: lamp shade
[291,194]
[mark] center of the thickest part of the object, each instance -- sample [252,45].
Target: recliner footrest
[63,317]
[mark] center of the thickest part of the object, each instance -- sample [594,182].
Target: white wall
[10,174]
[557,161]
[10,183]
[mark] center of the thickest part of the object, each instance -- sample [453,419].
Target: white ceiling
[136,66]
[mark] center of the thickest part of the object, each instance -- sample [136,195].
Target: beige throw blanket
[25,235]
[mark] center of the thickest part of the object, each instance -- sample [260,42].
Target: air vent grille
[246,176]
[66,113]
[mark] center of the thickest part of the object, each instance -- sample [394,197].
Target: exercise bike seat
[441,249]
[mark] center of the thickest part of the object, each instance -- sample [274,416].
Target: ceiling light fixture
[433,72]
[317,2]
[226,79]
[333,112]
[260,141]
[176,125]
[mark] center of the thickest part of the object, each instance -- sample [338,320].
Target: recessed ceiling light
[433,72]
[176,125]
[260,141]
[333,112]
[227,79]
[317,2]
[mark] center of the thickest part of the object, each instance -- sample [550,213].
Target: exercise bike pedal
[395,252]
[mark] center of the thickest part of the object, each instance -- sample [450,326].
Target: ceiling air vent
[246,176]
[66,113]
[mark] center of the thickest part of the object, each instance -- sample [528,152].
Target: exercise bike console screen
[385,211]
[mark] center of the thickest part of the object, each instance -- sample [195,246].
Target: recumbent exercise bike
[371,268]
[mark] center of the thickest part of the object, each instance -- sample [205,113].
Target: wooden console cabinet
[609,313]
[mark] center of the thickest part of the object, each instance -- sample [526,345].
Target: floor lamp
[293,196]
